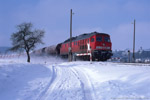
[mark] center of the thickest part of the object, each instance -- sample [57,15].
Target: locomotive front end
[102,47]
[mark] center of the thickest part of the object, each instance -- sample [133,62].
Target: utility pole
[70,48]
[134,43]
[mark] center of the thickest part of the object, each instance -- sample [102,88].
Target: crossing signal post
[129,56]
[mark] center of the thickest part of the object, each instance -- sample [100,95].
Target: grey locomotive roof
[83,36]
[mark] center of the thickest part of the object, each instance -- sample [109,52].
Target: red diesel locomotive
[97,45]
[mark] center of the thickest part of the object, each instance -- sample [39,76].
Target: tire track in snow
[53,76]
[64,86]
[84,84]
[88,81]
[67,83]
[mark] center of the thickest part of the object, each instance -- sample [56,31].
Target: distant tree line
[123,54]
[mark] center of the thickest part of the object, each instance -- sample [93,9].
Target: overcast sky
[114,17]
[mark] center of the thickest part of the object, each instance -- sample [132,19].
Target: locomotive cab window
[99,39]
[106,39]
[92,39]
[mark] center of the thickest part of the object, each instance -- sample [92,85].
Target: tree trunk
[28,55]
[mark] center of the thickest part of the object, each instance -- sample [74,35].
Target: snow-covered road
[58,80]
[68,82]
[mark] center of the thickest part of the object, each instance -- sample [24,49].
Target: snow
[55,79]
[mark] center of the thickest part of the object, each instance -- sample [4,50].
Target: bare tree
[26,39]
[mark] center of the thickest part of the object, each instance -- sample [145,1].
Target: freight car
[96,46]
[50,50]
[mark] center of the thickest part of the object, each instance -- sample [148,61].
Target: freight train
[95,46]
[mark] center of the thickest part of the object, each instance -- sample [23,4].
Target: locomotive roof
[84,36]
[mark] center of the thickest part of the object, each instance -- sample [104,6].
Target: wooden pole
[134,43]
[70,49]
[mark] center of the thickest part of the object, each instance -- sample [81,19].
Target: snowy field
[56,79]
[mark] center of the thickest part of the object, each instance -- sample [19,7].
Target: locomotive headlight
[99,47]
[107,47]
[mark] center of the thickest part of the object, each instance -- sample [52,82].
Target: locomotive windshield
[106,39]
[99,38]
